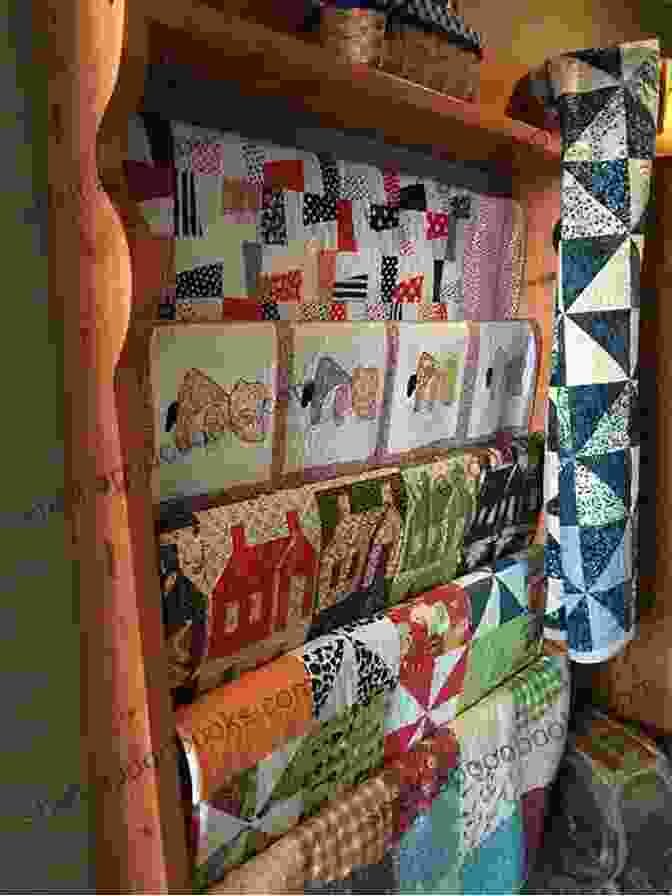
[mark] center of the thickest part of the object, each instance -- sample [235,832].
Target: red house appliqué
[264,588]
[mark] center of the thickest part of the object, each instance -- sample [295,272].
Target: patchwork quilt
[608,101]
[458,642]
[463,812]
[247,581]
[270,748]
[264,232]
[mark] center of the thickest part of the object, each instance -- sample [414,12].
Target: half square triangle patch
[597,274]
[585,122]
[607,182]
[587,360]
[583,215]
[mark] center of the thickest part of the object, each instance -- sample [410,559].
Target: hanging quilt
[238,585]
[264,232]
[214,393]
[608,102]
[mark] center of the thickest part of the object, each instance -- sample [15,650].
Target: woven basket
[353,35]
[430,59]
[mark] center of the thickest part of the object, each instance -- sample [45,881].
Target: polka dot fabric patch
[389,273]
[331,178]
[255,157]
[203,282]
[273,221]
[207,158]
[318,209]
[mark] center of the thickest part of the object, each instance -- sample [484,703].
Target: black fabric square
[413,198]
[383,217]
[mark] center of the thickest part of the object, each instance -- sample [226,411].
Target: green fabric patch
[495,656]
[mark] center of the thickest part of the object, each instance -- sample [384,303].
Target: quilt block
[361,529]
[214,393]
[437,499]
[335,381]
[505,621]
[426,386]
[509,501]
[434,633]
[238,585]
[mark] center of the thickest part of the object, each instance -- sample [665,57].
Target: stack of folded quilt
[347,497]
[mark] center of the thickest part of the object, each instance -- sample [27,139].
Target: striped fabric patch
[187,222]
[352,289]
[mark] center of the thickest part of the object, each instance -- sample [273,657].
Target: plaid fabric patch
[532,694]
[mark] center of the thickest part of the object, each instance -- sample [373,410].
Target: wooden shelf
[348,97]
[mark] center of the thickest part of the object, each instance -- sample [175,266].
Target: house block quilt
[248,581]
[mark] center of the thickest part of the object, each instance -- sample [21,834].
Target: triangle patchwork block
[596,502]
[597,545]
[587,362]
[607,182]
[598,63]
[605,136]
[581,110]
[612,431]
[610,285]
[611,331]
[583,216]
[582,262]
[479,595]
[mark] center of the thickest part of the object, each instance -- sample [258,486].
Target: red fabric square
[284,175]
[409,290]
[392,188]
[337,311]
[327,268]
[241,310]
[287,287]
[149,181]
[346,227]
[438,225]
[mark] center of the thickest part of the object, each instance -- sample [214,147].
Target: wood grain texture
[220,46]
[134,805]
